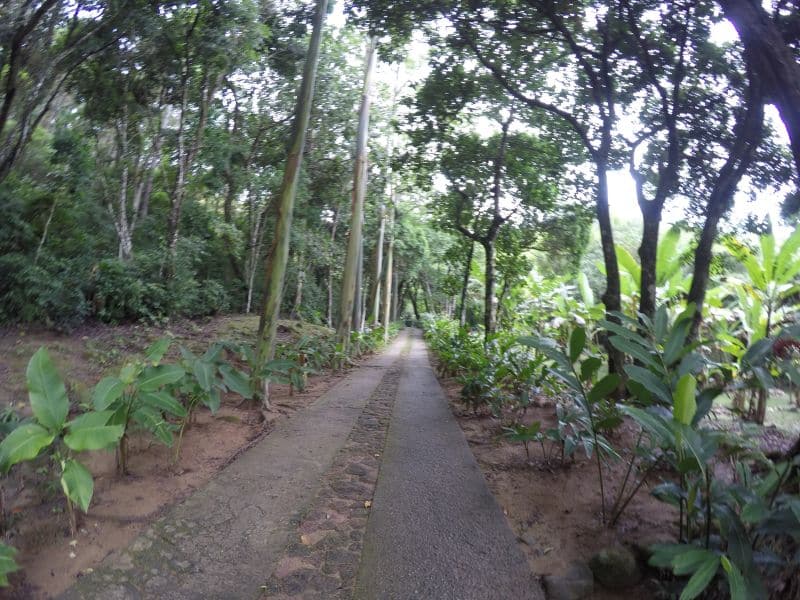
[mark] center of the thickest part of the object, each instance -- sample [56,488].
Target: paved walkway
[329,505]
[436,531]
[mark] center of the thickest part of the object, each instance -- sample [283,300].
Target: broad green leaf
[204,374]
[153,421]
[153,378]
[187,354]
[754,511]
[768,255]
[662,555]
[628,263]
[685,405]
[656,426]
[603,388]
[703,575]
[236,381]
[785,260]
[279,365]
[660,323]
[156,351]
[587,297]
[668,261]
[736,583]
[91,431]
[633,335]
[676,341]
[46,391]
[214,351]
[77,483]
[129,372]
[650,381]
[589,367]
[24,443]
[213,400]
[689,561]
[7,563]
[634,350]
[107,391]
[164,402]
[577,342]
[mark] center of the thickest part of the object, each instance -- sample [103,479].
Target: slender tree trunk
[298,294]
[387,286]
[43,239]
[330,266]
[376,283]
[350,277]
[398,286]
[749,132]
[462,309]
[413,296]
[357,296]
[490,308]
[279,252]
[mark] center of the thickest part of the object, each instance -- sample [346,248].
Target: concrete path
[223,541]
[331,506]
[436,531]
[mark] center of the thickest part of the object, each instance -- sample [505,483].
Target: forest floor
[121,507]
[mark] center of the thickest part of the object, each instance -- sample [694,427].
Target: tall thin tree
[354,242]
[279,252]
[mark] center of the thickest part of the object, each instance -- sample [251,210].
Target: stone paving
[322,559]
[225,540]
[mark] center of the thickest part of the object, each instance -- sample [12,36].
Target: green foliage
[7,563]
[50,429]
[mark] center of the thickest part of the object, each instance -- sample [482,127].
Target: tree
[773,43]
[279,251]
[350,298]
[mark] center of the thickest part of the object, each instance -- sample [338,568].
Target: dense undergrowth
[738,530]
[157,393]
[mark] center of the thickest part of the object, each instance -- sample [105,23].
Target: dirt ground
[50,558]
[555,510]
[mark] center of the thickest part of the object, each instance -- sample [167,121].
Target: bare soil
[50,558]
[555,509]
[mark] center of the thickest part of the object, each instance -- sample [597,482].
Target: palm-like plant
[765,292]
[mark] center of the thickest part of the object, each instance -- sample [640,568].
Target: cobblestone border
[322,560]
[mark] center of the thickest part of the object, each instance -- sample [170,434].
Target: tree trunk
[462,309]
[387,286]
[279,252]
[376,283]
[490,305]
[357,295]
[330,266]
[772,60]
[413,296]
[298,294]
[350,277]
[612,295]
[749,131]
[398,286]
[648,257]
